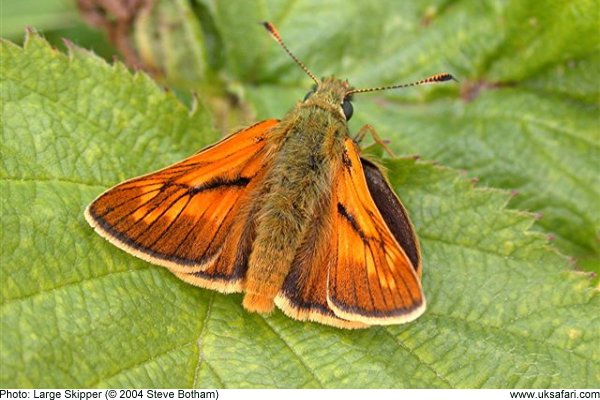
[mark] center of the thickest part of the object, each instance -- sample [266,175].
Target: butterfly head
[333,92]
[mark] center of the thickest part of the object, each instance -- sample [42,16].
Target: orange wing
[371,279]
[192,217]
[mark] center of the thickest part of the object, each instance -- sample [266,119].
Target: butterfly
[286,211]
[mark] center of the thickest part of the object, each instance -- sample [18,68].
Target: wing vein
[174,219]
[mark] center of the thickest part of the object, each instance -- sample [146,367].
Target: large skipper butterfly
[285,211]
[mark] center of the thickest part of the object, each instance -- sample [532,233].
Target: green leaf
[504,309]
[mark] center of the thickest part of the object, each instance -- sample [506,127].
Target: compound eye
[308,95]
[348,109]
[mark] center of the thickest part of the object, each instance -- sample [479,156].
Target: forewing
[191,217]
[371,280]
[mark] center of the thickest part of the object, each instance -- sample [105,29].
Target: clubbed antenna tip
[272,30]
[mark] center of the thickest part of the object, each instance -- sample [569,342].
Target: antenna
[432,79]
[273,31]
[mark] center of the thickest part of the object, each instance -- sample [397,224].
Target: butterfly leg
[370,130]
